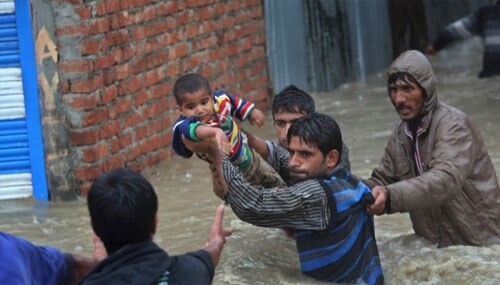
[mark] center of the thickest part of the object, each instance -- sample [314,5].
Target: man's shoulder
[191,268]
[449,114]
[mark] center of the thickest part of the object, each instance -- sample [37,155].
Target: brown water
[256,255]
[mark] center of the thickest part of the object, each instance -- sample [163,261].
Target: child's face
[199,103]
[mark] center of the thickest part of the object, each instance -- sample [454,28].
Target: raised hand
[257,117]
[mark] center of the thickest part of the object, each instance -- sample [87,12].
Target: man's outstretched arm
[217,237]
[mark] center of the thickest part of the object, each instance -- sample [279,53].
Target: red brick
[205,13]
[160,90]
[88,173]
[109,93]
[139,33]
[89,46]
[130,85]
[83,12]
[208,70]
[125,18]
[81,102]
[64,86]
[87,86]
[73,30]
[126,4]
[180,50]
[95,117]
[107,60]
[114,22]
[164,9]
[209,26]
[140,133]
[120,106]
[220,9]
[83,137]
[148,14]
[173,69]
[150,111]
[137,66]
[94,153]
[192,31]
[150,144]
[100,8]
[133,152]
[75,66]
[157,59]
[111,129]
[117,161]
[217,54]
[152,77]
[140,98]
[181,18]
[121,142]
[115,38]
[112,6]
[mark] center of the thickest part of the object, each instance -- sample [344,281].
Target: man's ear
[155,223]
[332,158]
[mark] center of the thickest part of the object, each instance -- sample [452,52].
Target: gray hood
[416,64]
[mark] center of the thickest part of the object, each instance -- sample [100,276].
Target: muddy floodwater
[256,255]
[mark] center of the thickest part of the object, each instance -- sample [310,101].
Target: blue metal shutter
[19,154]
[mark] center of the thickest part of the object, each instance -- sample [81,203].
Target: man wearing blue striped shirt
[323,202]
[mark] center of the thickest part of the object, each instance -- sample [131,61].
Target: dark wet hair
[122,206]
[318,130]
[190,83]
[292,100]
[405,77]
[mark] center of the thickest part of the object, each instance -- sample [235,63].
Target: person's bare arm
[217,237]
[257,117]
[206,132]
[381,195]
[258,144]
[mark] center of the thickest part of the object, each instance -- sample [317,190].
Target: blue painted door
[22,166]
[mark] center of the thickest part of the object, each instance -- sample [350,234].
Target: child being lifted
[206,114]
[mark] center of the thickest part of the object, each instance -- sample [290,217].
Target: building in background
[85,85]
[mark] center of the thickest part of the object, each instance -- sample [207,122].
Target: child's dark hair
[318,130]
[190,83]
[122,206]
[292,100]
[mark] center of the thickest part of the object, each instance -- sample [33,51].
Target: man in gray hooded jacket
[435,165]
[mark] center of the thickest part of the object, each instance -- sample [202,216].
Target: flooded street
[256,255]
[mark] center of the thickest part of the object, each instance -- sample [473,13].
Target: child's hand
[257,117]
[223,142]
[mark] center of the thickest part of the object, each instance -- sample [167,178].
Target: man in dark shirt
[324,203]
[123,211]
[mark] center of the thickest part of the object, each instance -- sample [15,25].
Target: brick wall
[118,60]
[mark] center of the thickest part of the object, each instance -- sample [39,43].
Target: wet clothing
[256,170]
[334,235]
[146,263]
[225,107]
[22,263]
[443,176]
[484,22]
